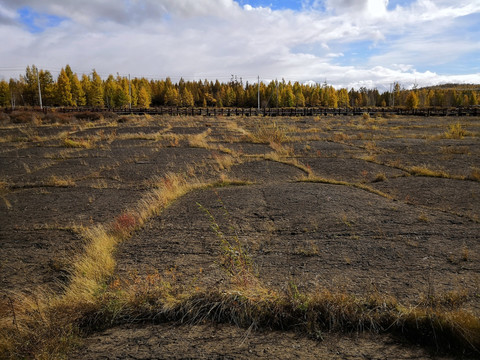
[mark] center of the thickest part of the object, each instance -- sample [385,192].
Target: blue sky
[37,22]
[351,43]
[276,5]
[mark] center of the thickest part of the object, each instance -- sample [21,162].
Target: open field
[344,237]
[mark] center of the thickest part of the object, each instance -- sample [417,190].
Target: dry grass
[321,180]
[4,190]
[224,162]
[380,177]
[199,140]
[78,143]
[269,132]
[474,174]
[455,150]
[455,131]
[425,171]
[57,181]
[46,326]
[275,156]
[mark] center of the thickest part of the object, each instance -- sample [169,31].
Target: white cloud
[217,38]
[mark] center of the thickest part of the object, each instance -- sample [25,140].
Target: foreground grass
[45,326]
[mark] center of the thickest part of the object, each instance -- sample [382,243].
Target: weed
[455,150]
[267,133]
[423,218]
[321,180]
[4,190]
[474,174]
[424,171]
[79,143]
[340,137]
[224,162]
[455,131]
[56,181]
[233,258]
[123,225]
[311,249]
[199,140]
[380,177]
[371,146]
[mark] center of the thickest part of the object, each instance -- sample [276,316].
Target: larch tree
[144,99]
[4,93]
[96,91]
[343,99]
[412,100]
[187,98]
[288,98]
[78,94]
[30,90]
[48,88]
[110,92]
[64,90]
[171,97]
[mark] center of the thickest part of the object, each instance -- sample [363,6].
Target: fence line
[313,111]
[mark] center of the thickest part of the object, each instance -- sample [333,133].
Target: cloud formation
[350,43]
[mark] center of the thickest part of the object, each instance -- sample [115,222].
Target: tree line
[68,89]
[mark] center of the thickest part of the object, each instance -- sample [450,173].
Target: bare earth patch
[385,208]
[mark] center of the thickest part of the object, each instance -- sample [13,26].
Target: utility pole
[39,91]
[258,92]
[129,93]
[276,85]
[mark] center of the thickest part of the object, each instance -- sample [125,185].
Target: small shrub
[57,118]
[24,117]
[124,224]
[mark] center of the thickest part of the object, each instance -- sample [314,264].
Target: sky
[347,43]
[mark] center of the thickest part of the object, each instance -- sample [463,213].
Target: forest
[38,86]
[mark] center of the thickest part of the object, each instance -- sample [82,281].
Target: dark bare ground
[423,240]
[220,341]
[316,236]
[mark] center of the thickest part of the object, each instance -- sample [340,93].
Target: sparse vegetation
[46,324]
[78,143]
[268,133]
[456,131]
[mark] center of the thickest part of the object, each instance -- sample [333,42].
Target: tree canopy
[120,91]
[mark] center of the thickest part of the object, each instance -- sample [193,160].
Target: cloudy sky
[348,43]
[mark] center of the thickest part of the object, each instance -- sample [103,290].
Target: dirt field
[387,206]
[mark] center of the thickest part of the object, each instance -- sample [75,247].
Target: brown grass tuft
[267,133]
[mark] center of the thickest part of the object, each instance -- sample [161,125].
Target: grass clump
[267,133]
[199,140]
[321,180]
[78,143]
[474,174]
[424,171]
[4,190]
[455,131]
[57,181]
